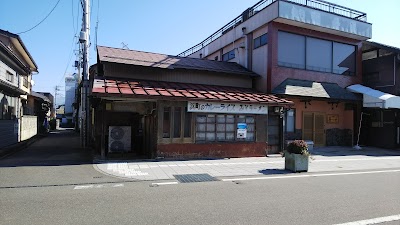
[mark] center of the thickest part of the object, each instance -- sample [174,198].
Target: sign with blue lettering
[241,130]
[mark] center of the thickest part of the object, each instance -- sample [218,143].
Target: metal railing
[248,13]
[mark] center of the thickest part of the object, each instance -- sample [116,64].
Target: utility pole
[84,39]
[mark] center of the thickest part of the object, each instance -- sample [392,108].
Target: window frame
[216,131]
[183,114]
[9,76]
[294,121]
[347,73]
[230,55]
[260,41]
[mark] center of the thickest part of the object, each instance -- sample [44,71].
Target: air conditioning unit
[119,139]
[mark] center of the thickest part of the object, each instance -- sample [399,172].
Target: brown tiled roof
[181,91]
[147,59]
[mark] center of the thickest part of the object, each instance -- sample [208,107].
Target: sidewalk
[327,159]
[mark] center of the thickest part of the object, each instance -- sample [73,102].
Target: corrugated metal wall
[8,136]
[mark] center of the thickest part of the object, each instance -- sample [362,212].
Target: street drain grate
[191,178]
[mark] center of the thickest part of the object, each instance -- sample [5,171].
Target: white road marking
[83,187]
[80,187]
[360,159]
[374,221]
[165,183]
[309,175]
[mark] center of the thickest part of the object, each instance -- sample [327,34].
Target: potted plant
[297,156]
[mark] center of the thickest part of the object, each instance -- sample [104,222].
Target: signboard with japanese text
[218,107]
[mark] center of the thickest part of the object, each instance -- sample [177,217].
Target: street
[54,182]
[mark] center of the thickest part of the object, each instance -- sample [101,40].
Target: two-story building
[154,105]
[16,67]
[305,51]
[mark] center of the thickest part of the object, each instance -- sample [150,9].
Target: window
[25,81]
[318,55]
[167,122]
[10,77]
[344,59]
[260,41]
[229,55]
[7,107]
[222,128]
[290,120]
[291,50]
[301,52]
[175,120]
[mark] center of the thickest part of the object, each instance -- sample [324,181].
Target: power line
[41,20]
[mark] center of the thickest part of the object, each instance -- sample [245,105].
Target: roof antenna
[124,46]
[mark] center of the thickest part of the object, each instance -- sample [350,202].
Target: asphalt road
[308,200]
[54,182]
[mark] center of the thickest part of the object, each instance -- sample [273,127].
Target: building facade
[16,67]
[306,52]
[153,105]
[71,84]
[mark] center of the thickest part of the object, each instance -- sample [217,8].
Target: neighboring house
[71,84]
[305,51]
[51,99]
[40,106]
[16,67]
[153,105]
[381,91]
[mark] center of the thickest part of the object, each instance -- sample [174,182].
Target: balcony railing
[248,13]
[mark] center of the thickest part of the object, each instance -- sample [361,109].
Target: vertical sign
[241,130]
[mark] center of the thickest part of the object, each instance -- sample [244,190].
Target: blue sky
[168,27]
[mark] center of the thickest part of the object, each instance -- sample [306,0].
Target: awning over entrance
[376,99]
[182,91]
[313,89]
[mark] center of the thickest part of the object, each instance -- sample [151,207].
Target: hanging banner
[236,108]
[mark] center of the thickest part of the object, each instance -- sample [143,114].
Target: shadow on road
[349,151]
[274,171]
[58,148]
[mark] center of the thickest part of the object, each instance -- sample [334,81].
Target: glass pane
[264,39]
[230,127]
[167,122]
[177,122]
[344,59]
[257,42]
[319,55]
[210,136]
[220,127]
[220,119]
[201,127]
[220,136]
[250,136]
[290,121]
[188,124]
[230,136]
[250,127]
[230,119]
[210,118]
[250,119]
[201,119]
[210,127]
[241,119]
[291,50]
[200,136]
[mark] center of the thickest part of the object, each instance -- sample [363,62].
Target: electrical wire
[41,20]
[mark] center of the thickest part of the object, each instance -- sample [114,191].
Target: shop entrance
[314,128]
[132,132]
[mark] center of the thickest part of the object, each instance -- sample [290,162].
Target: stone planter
[296,162]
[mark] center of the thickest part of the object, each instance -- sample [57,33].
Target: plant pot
[296,162]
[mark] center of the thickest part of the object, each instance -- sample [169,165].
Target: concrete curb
[12,149]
